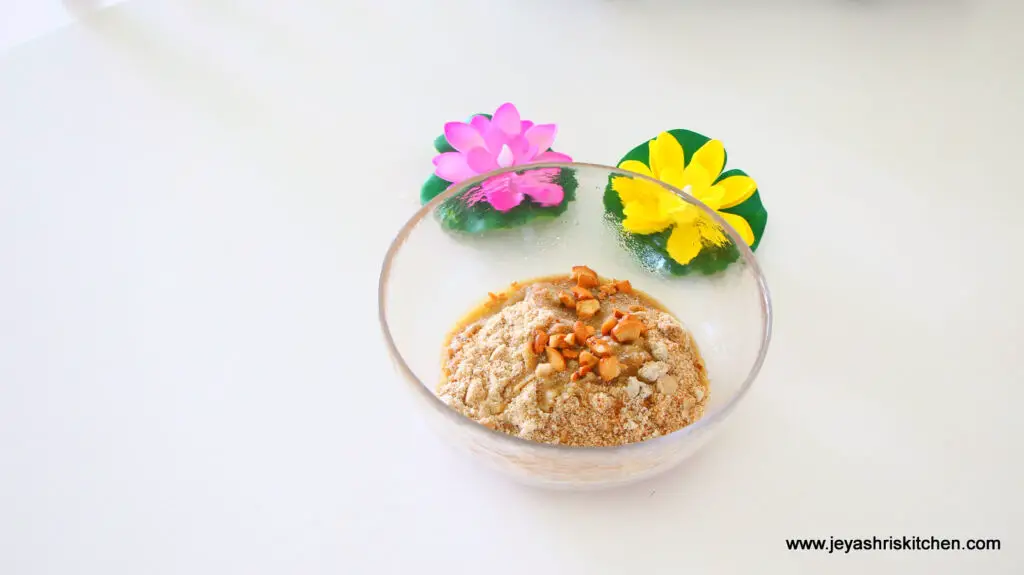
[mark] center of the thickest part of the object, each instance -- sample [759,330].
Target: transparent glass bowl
[433,275]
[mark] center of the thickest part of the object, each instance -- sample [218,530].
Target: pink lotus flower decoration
[505,140]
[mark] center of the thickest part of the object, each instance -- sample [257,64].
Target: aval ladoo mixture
[574,360]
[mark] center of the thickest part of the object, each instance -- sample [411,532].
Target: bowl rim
[461,420]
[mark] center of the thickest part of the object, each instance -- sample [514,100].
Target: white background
[195,197]
[25,20]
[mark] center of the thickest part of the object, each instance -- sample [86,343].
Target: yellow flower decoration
[649,208]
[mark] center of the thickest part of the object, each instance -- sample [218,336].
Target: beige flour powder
[575,360]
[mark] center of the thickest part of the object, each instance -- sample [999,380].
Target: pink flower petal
[473,196]
[497,183]
[506,118]
[552,157]
[542,135]
[480,123]
[495,139]
[462,136]
[481,160]
[505,157]
[526,125]
[504,197]
[520,150]
[527,157]
[545,194]
[452,167]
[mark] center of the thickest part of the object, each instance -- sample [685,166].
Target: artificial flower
[504,140]
[649,208]
[506,191]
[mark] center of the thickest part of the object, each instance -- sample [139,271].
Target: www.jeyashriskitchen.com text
[848,545]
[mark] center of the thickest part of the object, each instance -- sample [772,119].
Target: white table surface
[26,20]
[195,197]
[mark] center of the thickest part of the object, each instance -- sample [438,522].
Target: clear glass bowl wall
[433,276]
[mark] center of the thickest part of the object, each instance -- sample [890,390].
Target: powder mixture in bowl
[574,360]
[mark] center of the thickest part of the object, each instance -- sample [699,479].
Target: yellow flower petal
[711,232]
[672,177]
[633,190]
[737,189]
[669,203]
[687,215]
[665,153]
[711,197]
[740,225]
[698,178]
[711,157]
[643,219]
[684,244]
[636,166]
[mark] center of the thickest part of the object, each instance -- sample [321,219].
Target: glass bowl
[440,266]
